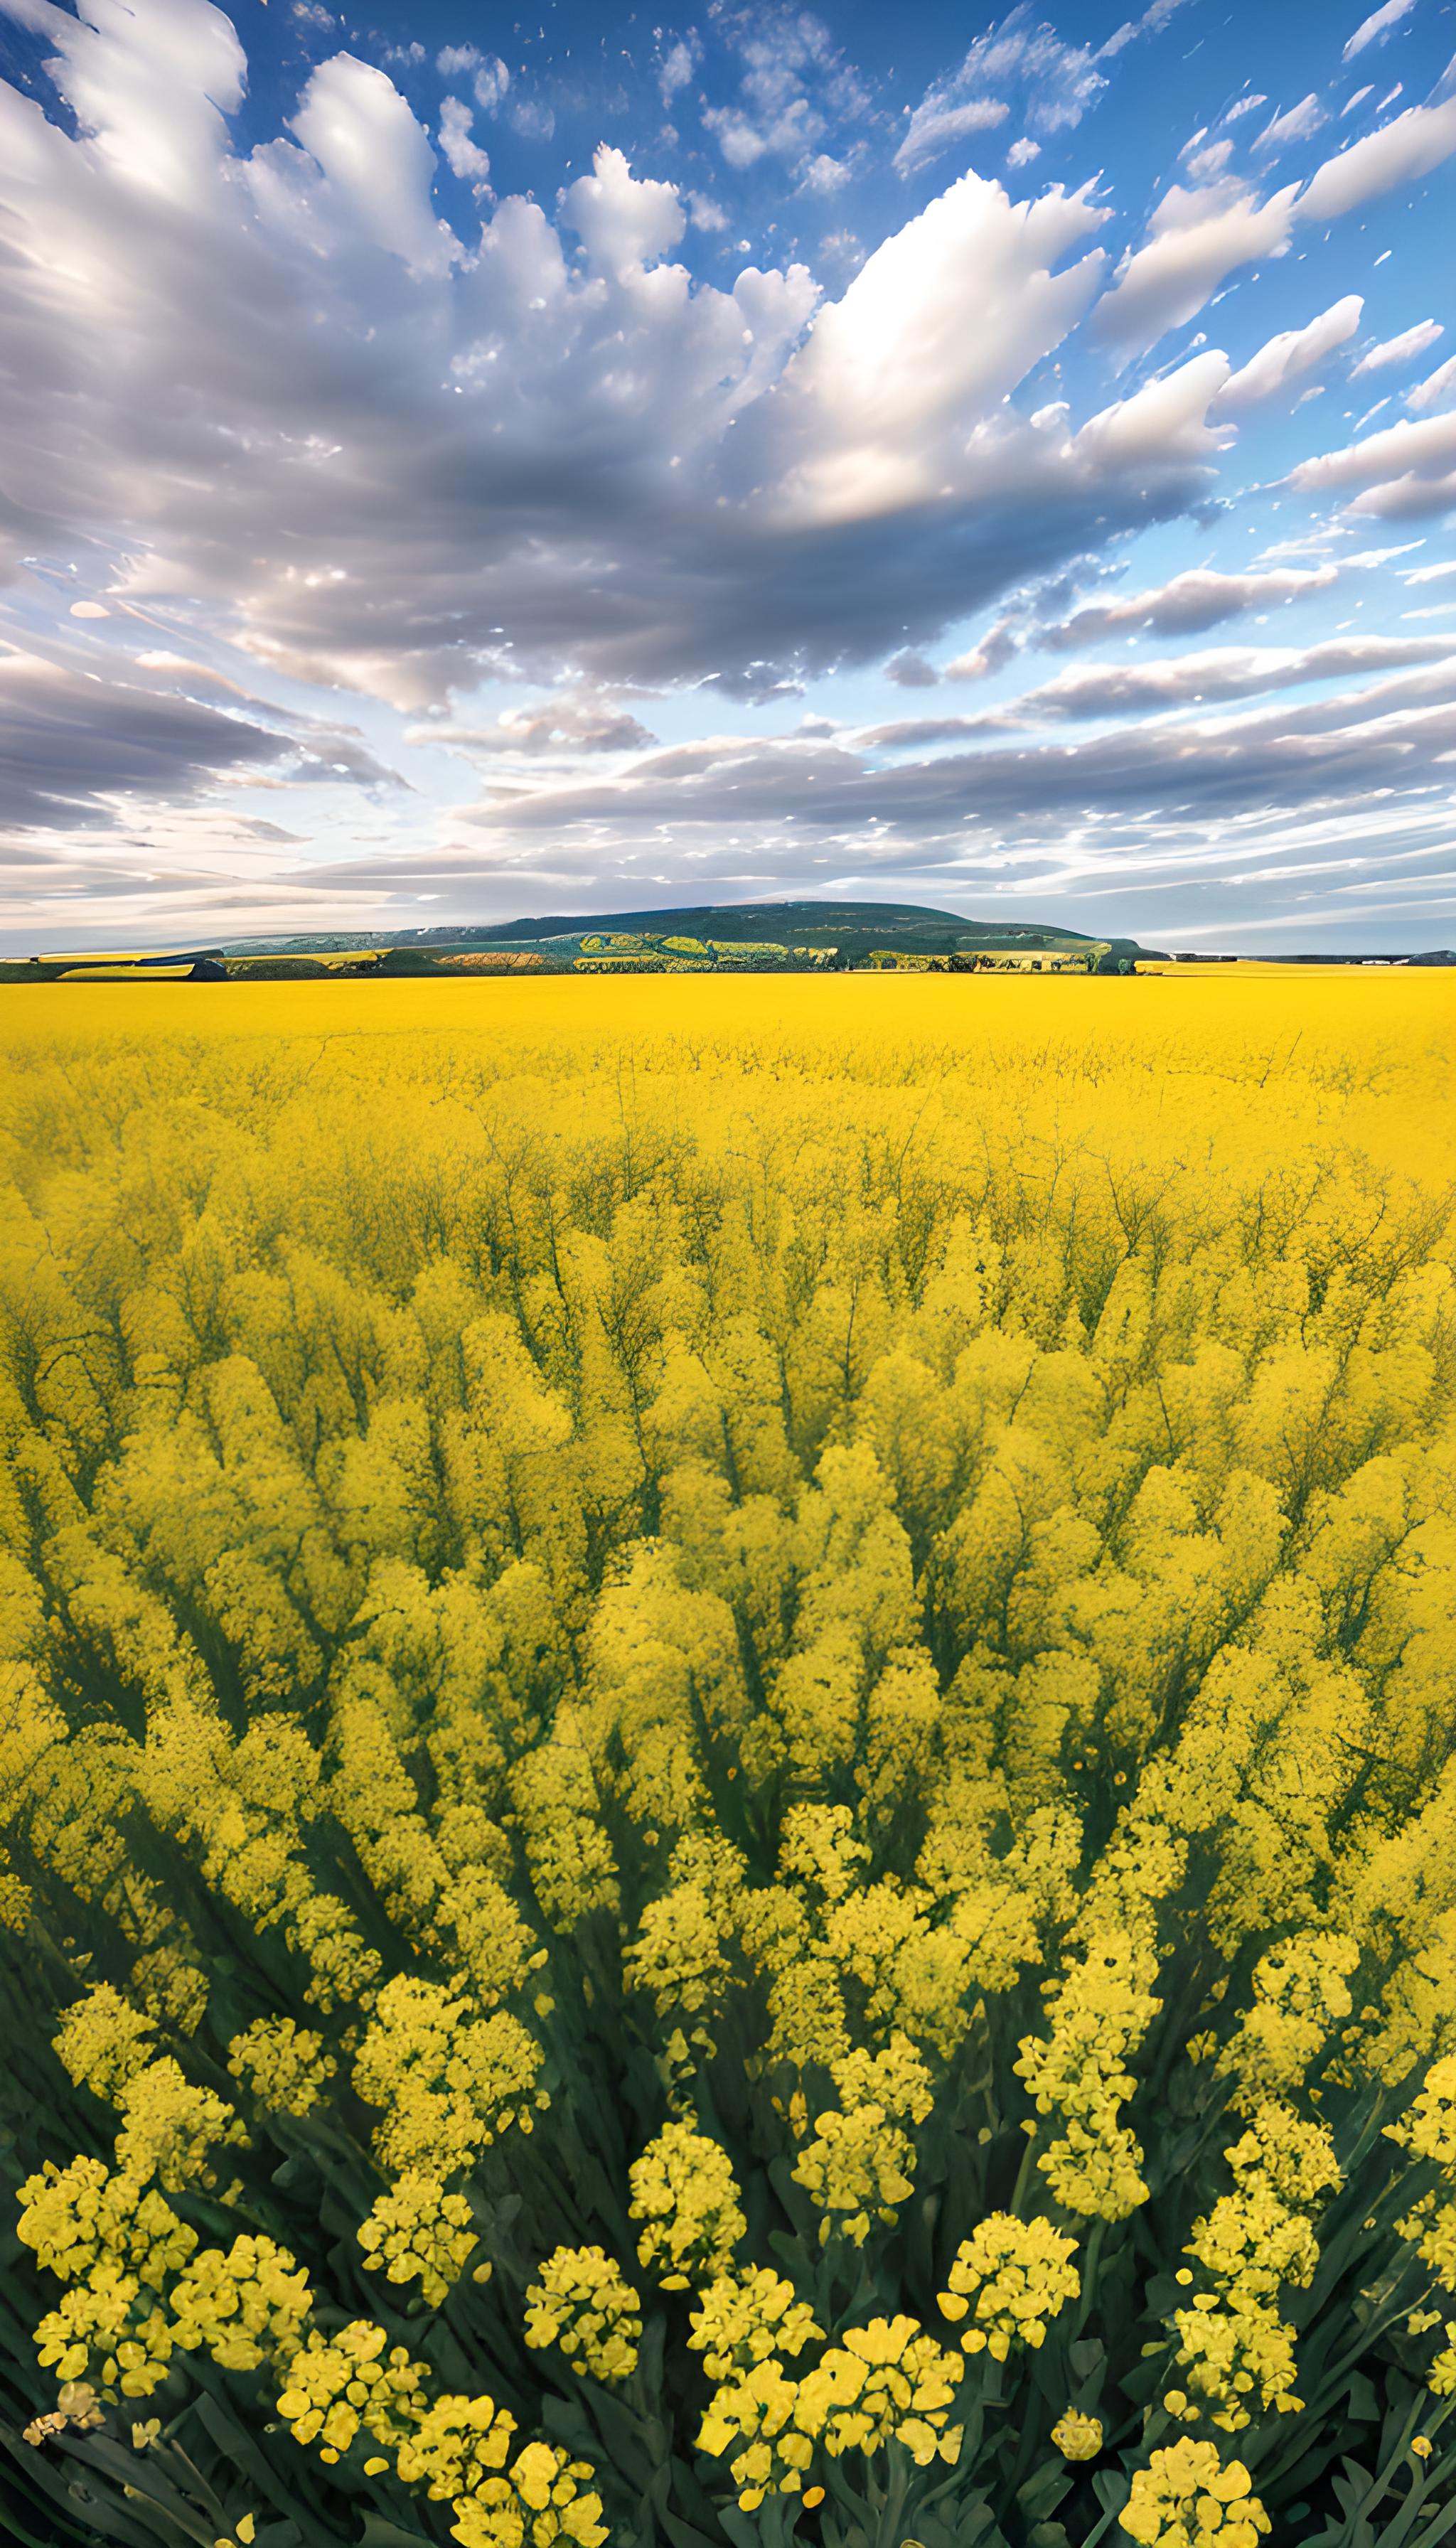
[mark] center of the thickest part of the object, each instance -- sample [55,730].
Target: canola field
[728,1740]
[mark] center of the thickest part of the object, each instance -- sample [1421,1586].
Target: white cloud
[1209,162]
[1399,349]
[1151,23]
[467,160]
[1201,597]
[1379,23]
[678,59]
[1296,126]
[561,726]
[1022,152]
[1196,238]
[289,392]
[1220,673]
[824,175]
[490,83]
[1358,99]
[532,119]
[704,213]
[455,59]
[377,163]
[1428,573]
[883,393]
[1396,156]
[1245,106]
[987,655]
[1054,81]
[1435,389]
[794,84]
[1406,471]
[624,223]
[934,128]
[1289,356]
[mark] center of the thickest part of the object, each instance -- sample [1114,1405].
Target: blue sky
[459,466]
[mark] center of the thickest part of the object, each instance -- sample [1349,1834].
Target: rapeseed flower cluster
[861,2160]
[683,2190]
[284,2065]
[1078,2071]
[417,2233]
[580,2301]
[1013,2278]
[1187,2495]
[353,2382]
[247,2307]
[884,2382]
[545,2498]
[744,2319]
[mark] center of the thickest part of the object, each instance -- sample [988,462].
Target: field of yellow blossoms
[729,1761]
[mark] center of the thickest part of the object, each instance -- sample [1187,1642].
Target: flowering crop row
[730,1793]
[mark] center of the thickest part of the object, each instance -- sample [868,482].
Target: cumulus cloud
[288,388]
[467,160]
[1053,83]
[1377,24]
[1188,604]
[1399,349]
[1289,356]
[377,164]
[1196,238]
[824,175]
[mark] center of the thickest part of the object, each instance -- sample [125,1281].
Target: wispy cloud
[1377,24]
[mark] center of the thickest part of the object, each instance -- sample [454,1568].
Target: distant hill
[852,931]
[698,938]
[811,936]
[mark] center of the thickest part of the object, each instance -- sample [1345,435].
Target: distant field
[1221,1054]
